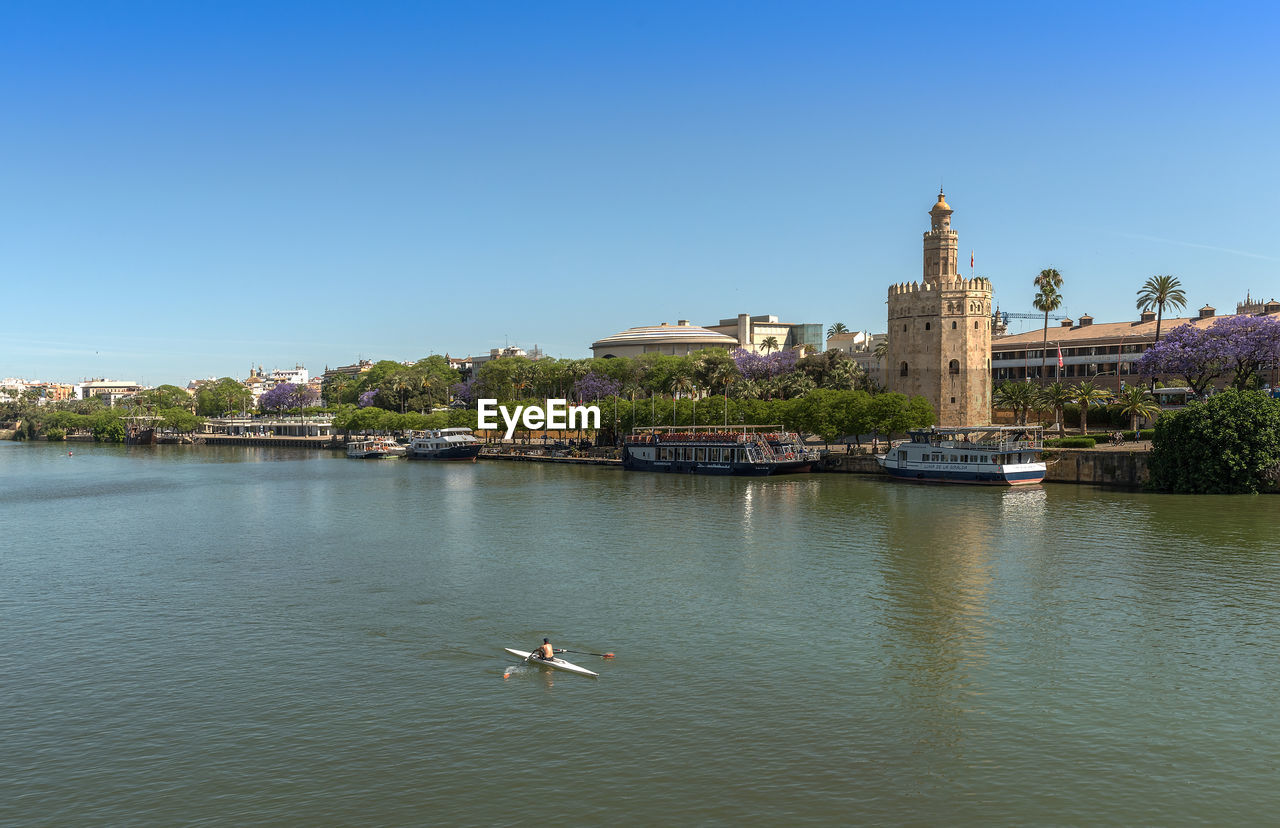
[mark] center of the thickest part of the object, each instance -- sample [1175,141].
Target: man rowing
[546,652]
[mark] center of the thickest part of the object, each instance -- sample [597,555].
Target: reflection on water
[305,639]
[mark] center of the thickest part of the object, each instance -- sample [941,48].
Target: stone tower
[940,332]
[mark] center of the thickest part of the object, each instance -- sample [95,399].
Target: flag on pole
[971,260]
[1059,355]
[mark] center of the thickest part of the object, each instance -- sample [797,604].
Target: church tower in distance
[940,332]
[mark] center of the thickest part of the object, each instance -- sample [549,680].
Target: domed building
[680,339]
[762,334]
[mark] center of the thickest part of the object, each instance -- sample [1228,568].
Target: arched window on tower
[902,372]
[953,326]
[926,326]
[954,367]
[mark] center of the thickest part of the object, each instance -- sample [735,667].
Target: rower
[546,652]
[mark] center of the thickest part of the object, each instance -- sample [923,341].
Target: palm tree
[882,349]
[770,343]
[837,328]
[1048,278]
[1018,397]
[843,377]
[1137,402]
[1047,300]
[401,386]
[1055,395]
[1087,394]
[1160,292]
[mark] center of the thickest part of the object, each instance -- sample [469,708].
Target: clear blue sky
[192,188]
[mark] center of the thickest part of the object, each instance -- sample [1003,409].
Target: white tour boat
[444,444]
[993,455]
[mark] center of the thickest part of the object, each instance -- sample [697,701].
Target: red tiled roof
[1106,331]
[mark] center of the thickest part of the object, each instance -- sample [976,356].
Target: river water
[256,636]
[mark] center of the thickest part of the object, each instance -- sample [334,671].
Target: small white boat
[554,663]
[375,449]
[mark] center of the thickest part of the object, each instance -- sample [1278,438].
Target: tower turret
[940,244]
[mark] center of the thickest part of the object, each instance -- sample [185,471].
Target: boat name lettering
[557,413]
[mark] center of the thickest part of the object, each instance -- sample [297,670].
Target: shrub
[1071,442]
[55,435]
[1227,444]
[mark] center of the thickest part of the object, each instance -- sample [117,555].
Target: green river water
[254,636]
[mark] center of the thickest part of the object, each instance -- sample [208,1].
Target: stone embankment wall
[852,463]
[1128,469]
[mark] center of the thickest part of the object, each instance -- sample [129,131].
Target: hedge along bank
[556,414]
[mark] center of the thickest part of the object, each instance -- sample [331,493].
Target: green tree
[1055,395]
[1087,395]
[837,328]
[221,397]
[1227,444]
[769,343]
[1018,397]
[1158,293]
[179,419]
[166,396]
[1137,402]
[108,426]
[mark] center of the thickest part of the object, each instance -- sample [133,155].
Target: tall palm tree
[1055,395]
[770,343]
[1048,278]
[1137,402]
[1160,292]
[401,386]
[1047,300]
[837,328]
[1087,394]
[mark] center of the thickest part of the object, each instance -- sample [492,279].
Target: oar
[584,652]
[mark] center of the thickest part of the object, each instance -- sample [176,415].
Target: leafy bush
[1227,444]
[1071,442]
[55,435]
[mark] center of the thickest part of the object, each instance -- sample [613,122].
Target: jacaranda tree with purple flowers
[287,396]
[595,386]
[366,399]
[1251,344]
[1193,354]
[1240,346]
[464,391]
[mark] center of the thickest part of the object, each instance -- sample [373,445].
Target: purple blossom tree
[287,396]
[1241,346]
[366,399]
[760,367]
[594,386]
[1250,345]
[1189,352]
[464,391]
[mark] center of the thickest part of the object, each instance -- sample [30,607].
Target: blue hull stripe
[988,478]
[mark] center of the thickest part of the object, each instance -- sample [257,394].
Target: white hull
[555,663]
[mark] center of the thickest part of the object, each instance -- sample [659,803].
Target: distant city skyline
[191,191]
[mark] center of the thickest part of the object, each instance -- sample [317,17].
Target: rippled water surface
[257,637]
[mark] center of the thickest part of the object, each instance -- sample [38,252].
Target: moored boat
[375,449]
[737,450]
[444,444]
[991,455]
